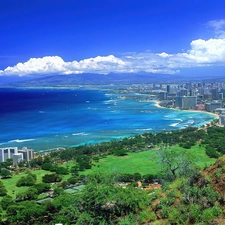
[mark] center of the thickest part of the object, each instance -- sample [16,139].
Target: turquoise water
[48,118]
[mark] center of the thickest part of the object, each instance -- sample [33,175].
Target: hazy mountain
[114,78]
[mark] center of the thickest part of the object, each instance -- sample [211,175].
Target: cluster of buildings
[198,96]
[17,155]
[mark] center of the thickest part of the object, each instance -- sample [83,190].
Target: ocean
[49,118]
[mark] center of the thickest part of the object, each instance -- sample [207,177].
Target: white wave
[145,129]
[81,133]
[170,116]
[190,121]
[110,101]
[179,119]
[174,124]
[20,141]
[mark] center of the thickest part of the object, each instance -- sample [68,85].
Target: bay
[49,118]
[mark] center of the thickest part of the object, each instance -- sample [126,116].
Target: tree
[5,173]
[42,187]
[3,190]
[6,201]
[47,166]
[175,163]
[51,178]
[29,180]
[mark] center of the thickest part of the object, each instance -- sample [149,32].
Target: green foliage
[47,166]
[174,215]
[72,180]
[57,191]
[104,202]
[128,220]
[211,152]
[146,216]
[149,178]
[51,178]
[29,180]
[61,170]
[195,212]
[84,162]
[5,173]
[175,164]
[208,215]
[3,190]
[42,187]
[211,195]
[6,201]
[27,212]
[30,194]
[119,152]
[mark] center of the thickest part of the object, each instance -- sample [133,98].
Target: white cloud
[218,26]
[201,53]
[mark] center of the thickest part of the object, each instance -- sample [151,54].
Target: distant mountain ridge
[92,79]
[111,78]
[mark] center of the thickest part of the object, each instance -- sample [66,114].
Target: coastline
[216,116]
[111,110]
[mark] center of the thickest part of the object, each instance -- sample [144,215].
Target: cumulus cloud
[201,53]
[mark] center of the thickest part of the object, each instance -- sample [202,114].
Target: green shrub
[146,216]
[217,211]
[195,212]
[208,215]
[165,211]
[211,213]
[211,195]
[29,180]
[174,215]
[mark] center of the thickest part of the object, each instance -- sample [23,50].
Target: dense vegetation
[188,195]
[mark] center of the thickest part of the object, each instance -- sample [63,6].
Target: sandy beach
[157,104]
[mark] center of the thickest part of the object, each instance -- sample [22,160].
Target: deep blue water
[48,118]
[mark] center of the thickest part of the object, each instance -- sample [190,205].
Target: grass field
[145,162]
[10,183]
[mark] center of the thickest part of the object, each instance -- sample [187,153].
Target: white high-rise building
[7,153]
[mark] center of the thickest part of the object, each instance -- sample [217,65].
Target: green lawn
[145,162]
[10,183]
[199,155]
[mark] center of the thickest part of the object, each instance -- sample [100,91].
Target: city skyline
[73,37]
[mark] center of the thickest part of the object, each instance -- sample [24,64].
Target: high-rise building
[168,88]
[215,93]
[28,154]
[183,92]
[220,96]
[189,102]
[210,107]
[178,101]
[222,120]
[193,92]
[186,102]
[162,95]
[7,153]
[17,158]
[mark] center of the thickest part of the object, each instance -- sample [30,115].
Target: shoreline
[49,144]
[216,116]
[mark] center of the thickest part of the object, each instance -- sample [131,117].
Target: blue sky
[103,36]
